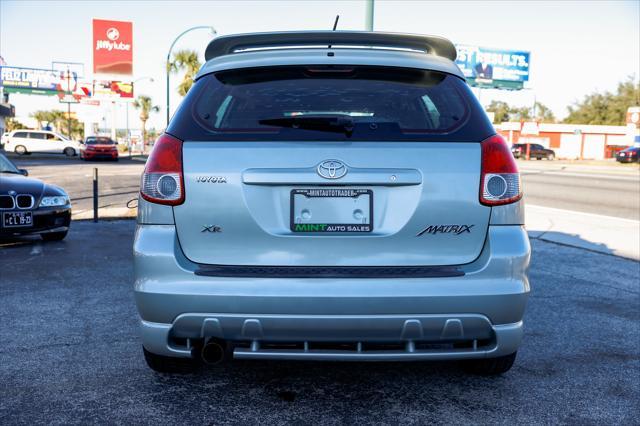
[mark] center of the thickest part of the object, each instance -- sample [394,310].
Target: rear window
[330,103]
[98,140]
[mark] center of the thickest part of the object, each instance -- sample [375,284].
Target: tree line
[604,108]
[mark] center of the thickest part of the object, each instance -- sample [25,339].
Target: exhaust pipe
[213,352]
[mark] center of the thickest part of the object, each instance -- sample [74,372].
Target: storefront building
[571,141]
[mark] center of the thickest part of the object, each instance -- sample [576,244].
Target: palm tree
[13,124]
[53,117]
[42,117]
[187,61]
[59,120]
[146,107]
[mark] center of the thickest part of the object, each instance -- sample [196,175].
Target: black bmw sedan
[30,206]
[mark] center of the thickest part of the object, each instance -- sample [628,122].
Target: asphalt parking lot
[71,354]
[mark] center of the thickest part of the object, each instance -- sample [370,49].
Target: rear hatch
[331,166]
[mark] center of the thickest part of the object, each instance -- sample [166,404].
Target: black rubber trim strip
[328,271]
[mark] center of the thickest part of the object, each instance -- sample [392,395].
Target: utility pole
[369,15]
[114,133]
[127,111]
[69,104]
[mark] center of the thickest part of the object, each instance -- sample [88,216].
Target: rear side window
[20,135]
[330,103]
[36,136]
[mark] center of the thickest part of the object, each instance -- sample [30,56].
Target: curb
[593,232]
[106,213]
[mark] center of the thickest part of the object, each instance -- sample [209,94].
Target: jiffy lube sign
[112,47]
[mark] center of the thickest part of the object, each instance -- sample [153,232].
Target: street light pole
[213,33]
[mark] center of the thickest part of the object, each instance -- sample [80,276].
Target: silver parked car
[331,196]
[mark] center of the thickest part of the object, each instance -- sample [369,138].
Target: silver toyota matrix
[331,195]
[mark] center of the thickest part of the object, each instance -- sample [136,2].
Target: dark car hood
[20,184]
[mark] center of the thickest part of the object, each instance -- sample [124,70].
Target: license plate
[332,210]
[17,219]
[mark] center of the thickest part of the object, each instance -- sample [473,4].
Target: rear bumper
[471,316]
[339,338]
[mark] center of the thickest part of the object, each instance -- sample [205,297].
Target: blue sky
[576,47]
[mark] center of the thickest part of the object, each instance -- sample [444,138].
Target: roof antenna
[335,25]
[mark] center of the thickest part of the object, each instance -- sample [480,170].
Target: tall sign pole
[69,104]
[369,15]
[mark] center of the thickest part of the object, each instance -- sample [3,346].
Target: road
[601,193]
[610,191]
[71,353]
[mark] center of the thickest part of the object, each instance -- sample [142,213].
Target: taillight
[163,180]
[499,179]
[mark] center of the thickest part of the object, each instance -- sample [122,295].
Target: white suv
[24,142]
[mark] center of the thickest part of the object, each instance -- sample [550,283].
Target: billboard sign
[70,90]
[113,90]
[112,47]
[33,81]
[498,68]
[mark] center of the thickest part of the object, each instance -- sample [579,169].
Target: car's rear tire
[551,157]
[490,366]
[69,152]
[54,236]
[21,150]
[165,364]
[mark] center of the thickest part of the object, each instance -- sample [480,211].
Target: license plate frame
[330,228]
[9,219]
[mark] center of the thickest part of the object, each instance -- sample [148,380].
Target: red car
[96,147]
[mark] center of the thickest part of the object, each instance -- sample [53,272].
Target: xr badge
[211,228]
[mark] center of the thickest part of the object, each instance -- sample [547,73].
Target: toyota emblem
[332,169]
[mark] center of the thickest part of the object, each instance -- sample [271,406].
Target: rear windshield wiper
[322,123]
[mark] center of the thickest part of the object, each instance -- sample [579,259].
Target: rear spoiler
[431,45]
